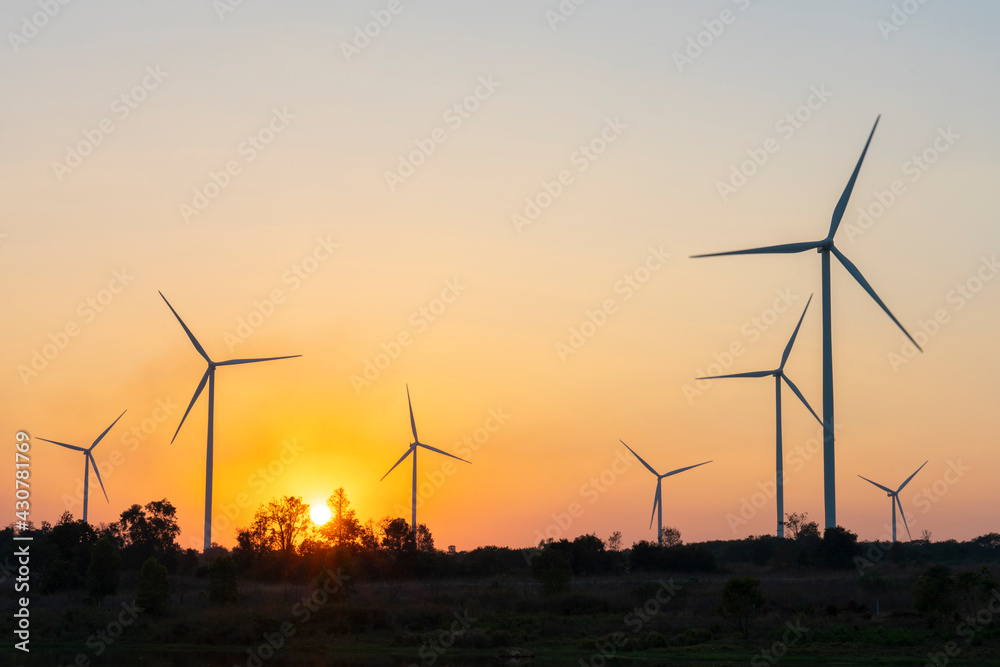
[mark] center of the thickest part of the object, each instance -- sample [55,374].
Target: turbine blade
[197,393]
[674,472]
[784,248]
[903,514]
[401,459]
[648,467]
[838,212]
[63,444]
[656,501]
[194,340]
[441,451]
[853,270]
[233,362]
[752,374]
[413,423]
[93,464]
[910,477]
[106,430]
[791,341]
[791,385]
[886,489]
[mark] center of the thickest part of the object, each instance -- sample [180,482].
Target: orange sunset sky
[463,193]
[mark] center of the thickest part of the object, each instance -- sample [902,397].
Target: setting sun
[319,513]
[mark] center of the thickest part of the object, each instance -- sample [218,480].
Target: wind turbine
[209,378]
[88,460]
[413,450]
[894,495]
[779,375]
[825,248]
[658,498]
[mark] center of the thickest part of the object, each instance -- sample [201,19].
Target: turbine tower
[657,497]
[779,375]
[825,248]
[894,496]
[209,378]
[413,450]
[88,461]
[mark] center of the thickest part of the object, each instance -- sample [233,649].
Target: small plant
[742,602]
[153,591]
[222,580]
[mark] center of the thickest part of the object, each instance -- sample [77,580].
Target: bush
[222,580]
[552,571]
[742,602]
[153,591]
[104,573]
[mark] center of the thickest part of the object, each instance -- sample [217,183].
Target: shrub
[153,591]
[222,580]
[742,602]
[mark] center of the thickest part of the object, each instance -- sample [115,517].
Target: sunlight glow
[319,513]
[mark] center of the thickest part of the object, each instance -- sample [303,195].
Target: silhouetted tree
[222,580]
[343,528]
[671,536]
[104,572]
[425,541]
[150,531]
[551,569]
[153,591]
[285,522]
[838,548]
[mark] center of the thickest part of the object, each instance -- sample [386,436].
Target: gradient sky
[321,182]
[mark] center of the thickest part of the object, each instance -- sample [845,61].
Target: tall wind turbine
[413,450]
[658,497]
[779,375]
[88,461]
[825,248]
[209,378]
[894,496]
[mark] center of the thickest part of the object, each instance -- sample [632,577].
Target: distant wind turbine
[209,378]
[658,497]
[825,248]
[88,461]
[413,450]
[894,495]
[779,375]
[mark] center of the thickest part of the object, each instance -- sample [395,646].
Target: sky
[495,203]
